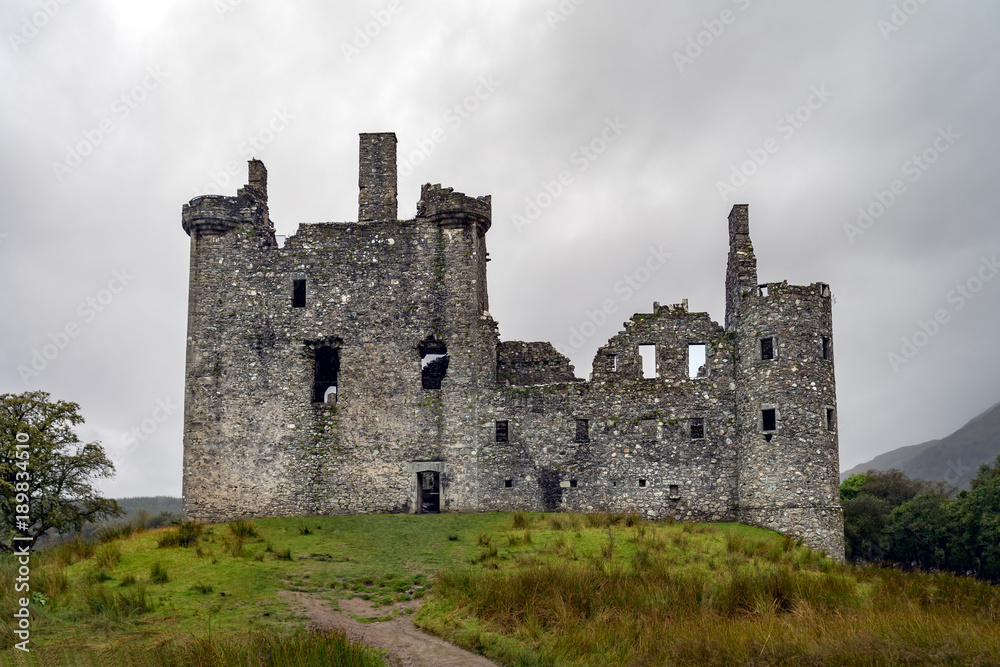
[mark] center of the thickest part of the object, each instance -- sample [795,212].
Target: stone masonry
[358,369]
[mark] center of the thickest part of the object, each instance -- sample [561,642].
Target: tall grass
[256,649]
[721,597]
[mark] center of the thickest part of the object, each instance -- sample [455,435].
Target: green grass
[524,588]
[619,590]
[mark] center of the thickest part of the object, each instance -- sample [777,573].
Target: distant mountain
[954,459]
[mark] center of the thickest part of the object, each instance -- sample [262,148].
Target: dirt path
[409,646]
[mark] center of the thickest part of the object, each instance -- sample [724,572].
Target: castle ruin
[357,369]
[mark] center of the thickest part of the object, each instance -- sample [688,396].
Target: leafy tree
[52,472]
[919,530]
[868,500]
[851,487]
[975,545]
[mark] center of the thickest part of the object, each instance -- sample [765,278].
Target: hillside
[953,459]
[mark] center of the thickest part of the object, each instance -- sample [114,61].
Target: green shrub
[158,573]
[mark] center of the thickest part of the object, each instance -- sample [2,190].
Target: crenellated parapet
[216,215]
[444,205]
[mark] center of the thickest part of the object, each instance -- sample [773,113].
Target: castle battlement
[358,369]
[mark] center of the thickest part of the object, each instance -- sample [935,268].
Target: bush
[158,573]
[186,534]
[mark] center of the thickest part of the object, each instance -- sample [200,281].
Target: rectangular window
[501,431]
[433,363]
[696,361]
[508,483]
[769,419]
[697,428]
[767,348]
[572,483]
[613,363]
[647,353]
[582,430]
[325,375]
[642,482]
[764,290]
[674,491]
[827,349]
[830,420]
[299,293]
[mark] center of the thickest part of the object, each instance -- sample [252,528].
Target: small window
[674,492]
[830,419]
[572,483]
[696,361]
[501,431]
[642,482]
[648,355]
[299,293]
[508,483]
[769,419]
[827,349]
[433,364]
[697,428]
[325,375]
[582,430]
[764,290]
[767,348]
[613,362]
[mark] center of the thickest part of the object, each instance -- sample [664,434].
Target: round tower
[786,403]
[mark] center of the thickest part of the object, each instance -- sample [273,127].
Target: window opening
[299,293]
[501,431]
[674,491]
[508,483]
[696,361]
[433,364]
[827,349]
[572,483]
[325,375]
[647,352]
[829,419]
[614,363]
[767,348]
[582,430]
[697,428]
[769,420]
[764,290]
[642,482]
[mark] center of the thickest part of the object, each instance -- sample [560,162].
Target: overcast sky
[114,113]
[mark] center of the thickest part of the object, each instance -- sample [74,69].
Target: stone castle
[357,369]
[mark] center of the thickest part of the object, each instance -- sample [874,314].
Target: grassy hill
[954,459]
[522,589]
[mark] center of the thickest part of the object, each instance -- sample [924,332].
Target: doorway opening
[429,492]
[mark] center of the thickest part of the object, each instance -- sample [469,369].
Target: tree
[43,462]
